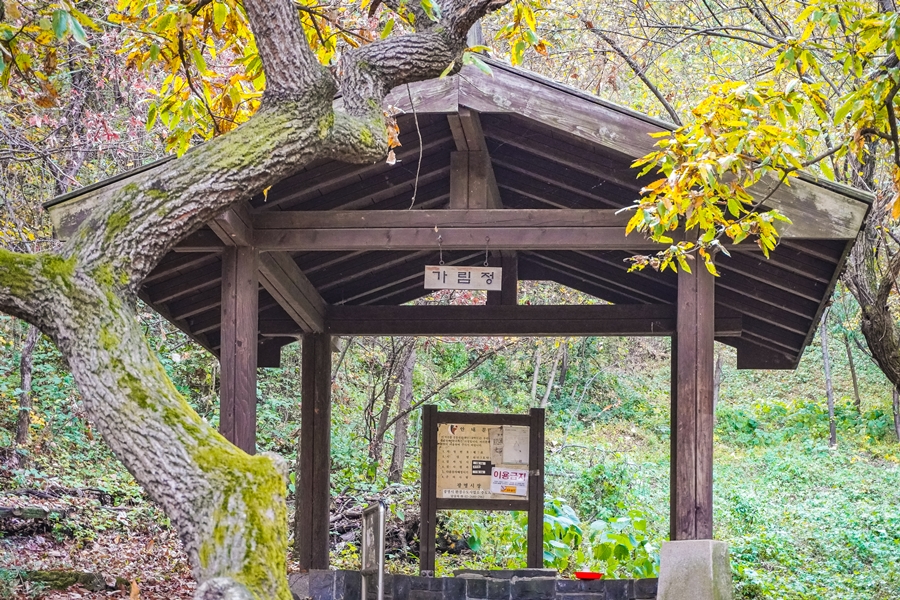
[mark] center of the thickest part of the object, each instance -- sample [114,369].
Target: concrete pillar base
[694,570]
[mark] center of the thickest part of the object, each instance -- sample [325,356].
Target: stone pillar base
[694,570]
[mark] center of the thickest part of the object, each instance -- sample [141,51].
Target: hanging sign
[442,277]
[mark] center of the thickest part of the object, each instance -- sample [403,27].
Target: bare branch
[640,72]
[459,374]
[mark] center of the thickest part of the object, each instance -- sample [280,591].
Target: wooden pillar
[428,481]
[509,293]
[692,407]
[238,355]
[314,483]
[536,490]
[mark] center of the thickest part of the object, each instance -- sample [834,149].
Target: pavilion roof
[549,147]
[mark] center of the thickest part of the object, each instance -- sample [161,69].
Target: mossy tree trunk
[227,507]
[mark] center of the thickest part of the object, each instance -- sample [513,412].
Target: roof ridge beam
[472,180]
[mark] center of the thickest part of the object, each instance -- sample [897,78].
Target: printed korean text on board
[467,455]
[442,277]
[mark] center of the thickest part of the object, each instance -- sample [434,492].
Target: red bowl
[587,575]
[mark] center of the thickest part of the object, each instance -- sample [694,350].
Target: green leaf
[220,12]
[388,28]
[199,61]
[446,71]
[518,51]
[432,9]
[469,58]
[60,23]
[152,114]
[77,30]
[844,109]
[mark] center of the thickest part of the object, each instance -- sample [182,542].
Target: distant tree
[829,388]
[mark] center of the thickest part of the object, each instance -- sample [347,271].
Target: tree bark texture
[829,389]
[401,427]
[26,363]
[871,277]
[228,507]
[896,405]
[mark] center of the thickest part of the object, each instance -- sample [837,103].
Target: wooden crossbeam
[235,226]
[597,320]
[498,229]
[284,280]
[278,273]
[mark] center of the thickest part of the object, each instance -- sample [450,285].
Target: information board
[481,461]
[471,456]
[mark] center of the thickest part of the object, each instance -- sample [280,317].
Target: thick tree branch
[228,507]
[369,72]
[291,68]
[137,224]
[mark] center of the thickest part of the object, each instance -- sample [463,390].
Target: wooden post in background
[692,407]
[240,300]
[509,293]
[428,481]
[311,523]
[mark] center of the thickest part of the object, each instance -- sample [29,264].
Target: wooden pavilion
[535,172]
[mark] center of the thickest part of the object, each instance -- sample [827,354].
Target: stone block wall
[526,584]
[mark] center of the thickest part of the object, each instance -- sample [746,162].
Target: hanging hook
[487,242]
[440,242]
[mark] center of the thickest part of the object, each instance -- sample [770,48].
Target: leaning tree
[228,507]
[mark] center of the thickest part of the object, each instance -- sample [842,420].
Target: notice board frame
[429,504]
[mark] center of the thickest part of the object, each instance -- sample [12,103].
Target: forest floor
[802,520]
[130,548]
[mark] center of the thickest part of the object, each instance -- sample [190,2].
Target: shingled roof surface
[550,147]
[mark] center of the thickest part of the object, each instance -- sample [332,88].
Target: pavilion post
[311,524]
[509,293]
[692,407]
[238,357]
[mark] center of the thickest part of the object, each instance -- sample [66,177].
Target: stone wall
[525,584]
